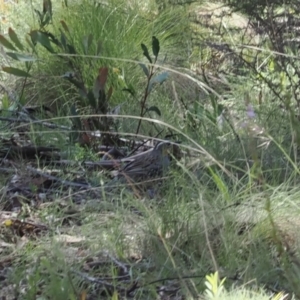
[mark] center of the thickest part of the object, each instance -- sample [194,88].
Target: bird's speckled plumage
[152,164]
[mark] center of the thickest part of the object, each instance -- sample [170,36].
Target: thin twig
[46,124]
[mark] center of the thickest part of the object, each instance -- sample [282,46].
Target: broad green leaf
[6,43]
[52,38]
[280,296]
[75,121]
[130,90]
[155,46]
[155,109]
[86,42]
[102,103]
[205,113]
[13,36]
[47,7]
[92,99]
[40,37]
[46,20]
[28,65]
[221,185]
[109,93]
[145,69]
[39,15]
[16,72]
[63,40]
[102,106]
[146,52]
[96,88]
[220,109]
[22,100]
[100,81]
[272,65]
[64,25]
[90,40]
[70,77]
[21,57]
[29,42]
[71,49]
[115,296]
[5,102]
[99,48]
[82,93]
[73,110]
[159,79]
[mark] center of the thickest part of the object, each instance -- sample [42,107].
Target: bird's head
[168,149]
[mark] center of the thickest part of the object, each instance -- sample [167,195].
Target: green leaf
[86,42]
[90,40]
[29,42]
[102,103]
[99,90]
[146,52]
[63,40]
[221,185]
[159,79]
[130,90]
[47,7]
[109,93]
[21,57]
[13,36]
[5,102]
[71,78]
[99,48]
[75,121]
[92,99]
[40,16]
[73,110]
[220,109]
[52,38]
[155,46]
[40,37]
[71,49]
[155,109]
[47,19]
[145,69]
[16,72]
[82,93]
[28,65]
[46,15]
[100,81]
[64,25]
[6,43]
